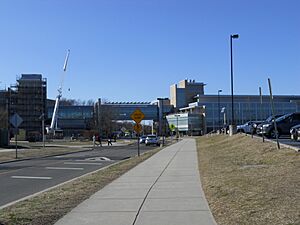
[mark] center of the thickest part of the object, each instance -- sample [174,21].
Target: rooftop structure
[183,93]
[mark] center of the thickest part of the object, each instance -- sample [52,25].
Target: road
[23,178]
[285,139]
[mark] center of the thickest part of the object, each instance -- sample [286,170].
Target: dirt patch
[248,182]
[50,206]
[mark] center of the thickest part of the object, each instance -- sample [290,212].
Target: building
[73,119]
[27,98]
[183,93]
[246,108]
[189,95]
[4,134]
[189,120]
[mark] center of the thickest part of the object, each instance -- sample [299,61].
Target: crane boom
[53,125]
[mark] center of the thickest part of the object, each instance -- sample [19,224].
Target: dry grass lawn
[247,182]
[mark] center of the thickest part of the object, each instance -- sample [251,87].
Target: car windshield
[151,136]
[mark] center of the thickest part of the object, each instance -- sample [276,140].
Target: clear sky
[133,50]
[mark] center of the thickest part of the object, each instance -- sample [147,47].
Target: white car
[152,140]
[143,139]
[248,127]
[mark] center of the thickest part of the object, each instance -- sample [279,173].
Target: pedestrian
[94,141]
[109,142]
[99,140]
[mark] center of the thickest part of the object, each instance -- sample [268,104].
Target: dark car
[284,124]
[259,128]
[295,132]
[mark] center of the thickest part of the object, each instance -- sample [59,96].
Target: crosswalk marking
[82,163]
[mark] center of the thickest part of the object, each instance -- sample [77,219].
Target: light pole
[177,134]
[233,36]
[219,110]
[161,124]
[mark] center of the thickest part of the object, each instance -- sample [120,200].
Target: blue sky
[133,50]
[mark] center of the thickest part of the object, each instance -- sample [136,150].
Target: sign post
[16,120]
[273,113]
[138,116]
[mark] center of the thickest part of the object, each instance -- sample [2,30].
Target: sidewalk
[163,190]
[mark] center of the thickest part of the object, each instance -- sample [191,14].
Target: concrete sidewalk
[163,190]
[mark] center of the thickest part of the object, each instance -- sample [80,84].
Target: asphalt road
[286,139]
[23,178]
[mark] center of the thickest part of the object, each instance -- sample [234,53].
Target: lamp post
[233,36]
[177,134]
[161,123]
[219,110]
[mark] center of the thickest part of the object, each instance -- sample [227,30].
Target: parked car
[295,132]
[259,127]
[284,124]
[152,140]
[249,127]
[143,139]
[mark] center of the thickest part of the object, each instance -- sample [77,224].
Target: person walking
[109,142]
[99,140]
[94,141]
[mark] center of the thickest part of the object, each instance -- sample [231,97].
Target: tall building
[183,93]
[27,98]
[217,109]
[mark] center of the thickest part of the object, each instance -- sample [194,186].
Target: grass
[247,182]
[48,207]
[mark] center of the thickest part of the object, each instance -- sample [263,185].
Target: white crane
[53,125]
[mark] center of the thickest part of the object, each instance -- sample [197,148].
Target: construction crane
[53,126]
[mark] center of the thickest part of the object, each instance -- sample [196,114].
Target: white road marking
[82,163]
[63,168]
[28,177]
[96,159]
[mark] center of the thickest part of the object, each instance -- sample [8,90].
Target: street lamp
[234,36]
[219,110]
[177,135]
[162,128]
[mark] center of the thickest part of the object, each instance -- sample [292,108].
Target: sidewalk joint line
[148,192]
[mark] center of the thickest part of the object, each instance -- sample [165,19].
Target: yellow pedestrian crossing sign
[137,128]
[137,116]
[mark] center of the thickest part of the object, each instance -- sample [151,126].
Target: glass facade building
[246,108]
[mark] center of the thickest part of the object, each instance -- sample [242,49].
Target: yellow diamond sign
[138,128]
[137,116]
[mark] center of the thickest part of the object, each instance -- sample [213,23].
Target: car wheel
[295,137]
[272,133]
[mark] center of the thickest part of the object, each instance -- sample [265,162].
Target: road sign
[172,127]
[138,128]
[137,116]
[16,120]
